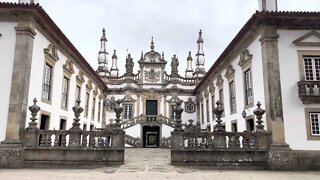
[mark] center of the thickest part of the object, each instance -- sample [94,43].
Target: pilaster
[272,86]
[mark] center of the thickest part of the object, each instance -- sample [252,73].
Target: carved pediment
[95,91]
[174,99]
[211,88]
[68,67]
[229,72]
[152,76]
[312,38]
[128,98]
[89,85]
[245,58]
[51,53]
[80,78]
[219,81]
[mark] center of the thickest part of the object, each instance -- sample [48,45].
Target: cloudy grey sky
[174,24]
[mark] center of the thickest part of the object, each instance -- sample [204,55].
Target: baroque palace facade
[274,59]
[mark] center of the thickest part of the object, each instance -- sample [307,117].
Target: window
[46,89]
[86,110]
[250,125]
[208,116]
[78,94]
[127,111]
[93,108]
[99,110]
[232,97]
[65,89]
[315,124]
[312,119]
[234,126]
[213,106]
[248,87]
[221,98]
[202,113]
[172,113]
[312,68]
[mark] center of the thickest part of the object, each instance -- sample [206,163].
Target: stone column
[12,145]
[272,86]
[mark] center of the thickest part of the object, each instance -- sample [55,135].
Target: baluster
[92,140]
[311,91]
[230,141]
[203,143]
[63,139]
[49,140]
[196,141]
[245,141]
[237,140]
[42,139]
[85,140]
[189,142]
[100,142]
[56,139]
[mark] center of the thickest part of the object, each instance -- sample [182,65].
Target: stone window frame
[132,107]
[99,109]
[301,55]
[308,124]
[43,99]
[93,111]
[47,113]
[219,84]
[128,101]
[87,100]
[65,106]
[212,90]
[190,102]
[230,73]
[245,63]
[50,59]
[234,122]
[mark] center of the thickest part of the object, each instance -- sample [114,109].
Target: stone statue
[174,65]
[129,65]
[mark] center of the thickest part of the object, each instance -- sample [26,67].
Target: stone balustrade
[309,92]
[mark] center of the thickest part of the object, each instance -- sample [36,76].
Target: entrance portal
[151,136]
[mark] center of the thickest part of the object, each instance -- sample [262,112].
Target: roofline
[257,19]
[41,14]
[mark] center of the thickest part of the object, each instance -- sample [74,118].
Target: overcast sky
[174,24]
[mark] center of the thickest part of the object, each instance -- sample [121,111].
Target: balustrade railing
[179,79]
[193,137]
[124,78]
[309,91]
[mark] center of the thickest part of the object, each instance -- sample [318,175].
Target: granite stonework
[237,150]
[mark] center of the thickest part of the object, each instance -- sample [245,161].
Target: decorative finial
[114,56]
[152,43]
[200,39]
[162,55]
[189,56]
[259,112]
[34,111]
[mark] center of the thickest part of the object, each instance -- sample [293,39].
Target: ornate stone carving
[245,58]
[302,41]
[129,65]
[219,82]
[190,106]
[174,99]
[174,65]
[211,88]
[89,85]
[128,98]
[80,78]
[152,76]
[52,52]
[229,72]
[111,104]
[68,67]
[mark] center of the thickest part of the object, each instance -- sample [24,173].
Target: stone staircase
[132,141]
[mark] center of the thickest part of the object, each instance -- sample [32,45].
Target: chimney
[268,5]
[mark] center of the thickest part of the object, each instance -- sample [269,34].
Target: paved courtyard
[149,164]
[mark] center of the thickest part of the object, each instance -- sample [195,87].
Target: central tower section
[152,67]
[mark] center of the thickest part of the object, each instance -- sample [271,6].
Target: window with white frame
[86,107]
[65,89]
[99,110]
[93,108]
[315,123]
[78,94]
[172,112]
[47,81]
[232,97]
[127,111]
[248,87]
[312,68]
[208,116]
[213,105]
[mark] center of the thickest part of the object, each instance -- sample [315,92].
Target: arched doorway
[151,136]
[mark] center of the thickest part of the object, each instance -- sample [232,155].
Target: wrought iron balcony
[309,92]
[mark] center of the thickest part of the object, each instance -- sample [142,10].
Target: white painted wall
[7,49]
[258,91]
[293,109]
[54,109]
